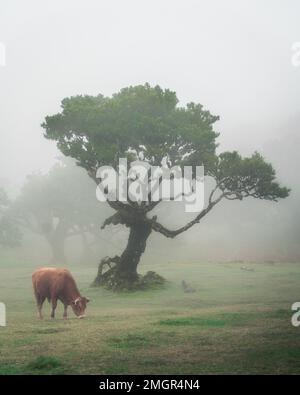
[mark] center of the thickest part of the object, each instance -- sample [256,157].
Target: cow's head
[79,306]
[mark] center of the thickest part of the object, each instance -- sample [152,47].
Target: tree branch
[114,219]
[172,233]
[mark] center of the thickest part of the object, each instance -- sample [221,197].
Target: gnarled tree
[147,121]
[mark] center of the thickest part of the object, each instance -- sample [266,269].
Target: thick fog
[234,57]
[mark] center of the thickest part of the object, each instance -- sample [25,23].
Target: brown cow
[54,284]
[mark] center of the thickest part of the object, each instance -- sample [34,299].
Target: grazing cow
[57,284]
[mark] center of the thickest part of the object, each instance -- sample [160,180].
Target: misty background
[233,57]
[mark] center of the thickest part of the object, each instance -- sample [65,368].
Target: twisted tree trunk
[122,271]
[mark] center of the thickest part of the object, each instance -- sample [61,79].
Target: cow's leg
[65,311]
[54,304]
[40,305]
[39,301]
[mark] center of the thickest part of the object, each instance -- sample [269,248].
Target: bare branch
[172,233]
[114,219]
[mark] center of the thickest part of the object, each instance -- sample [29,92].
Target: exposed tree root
[111,277]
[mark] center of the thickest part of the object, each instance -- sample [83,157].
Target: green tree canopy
[99,130]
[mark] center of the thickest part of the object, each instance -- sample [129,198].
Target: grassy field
[236,322]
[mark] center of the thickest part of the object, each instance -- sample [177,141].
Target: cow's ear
[87,300]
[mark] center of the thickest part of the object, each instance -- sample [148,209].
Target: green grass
[207,321]
[44,363]
[236,322]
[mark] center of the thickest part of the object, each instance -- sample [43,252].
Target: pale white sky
[232,56]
